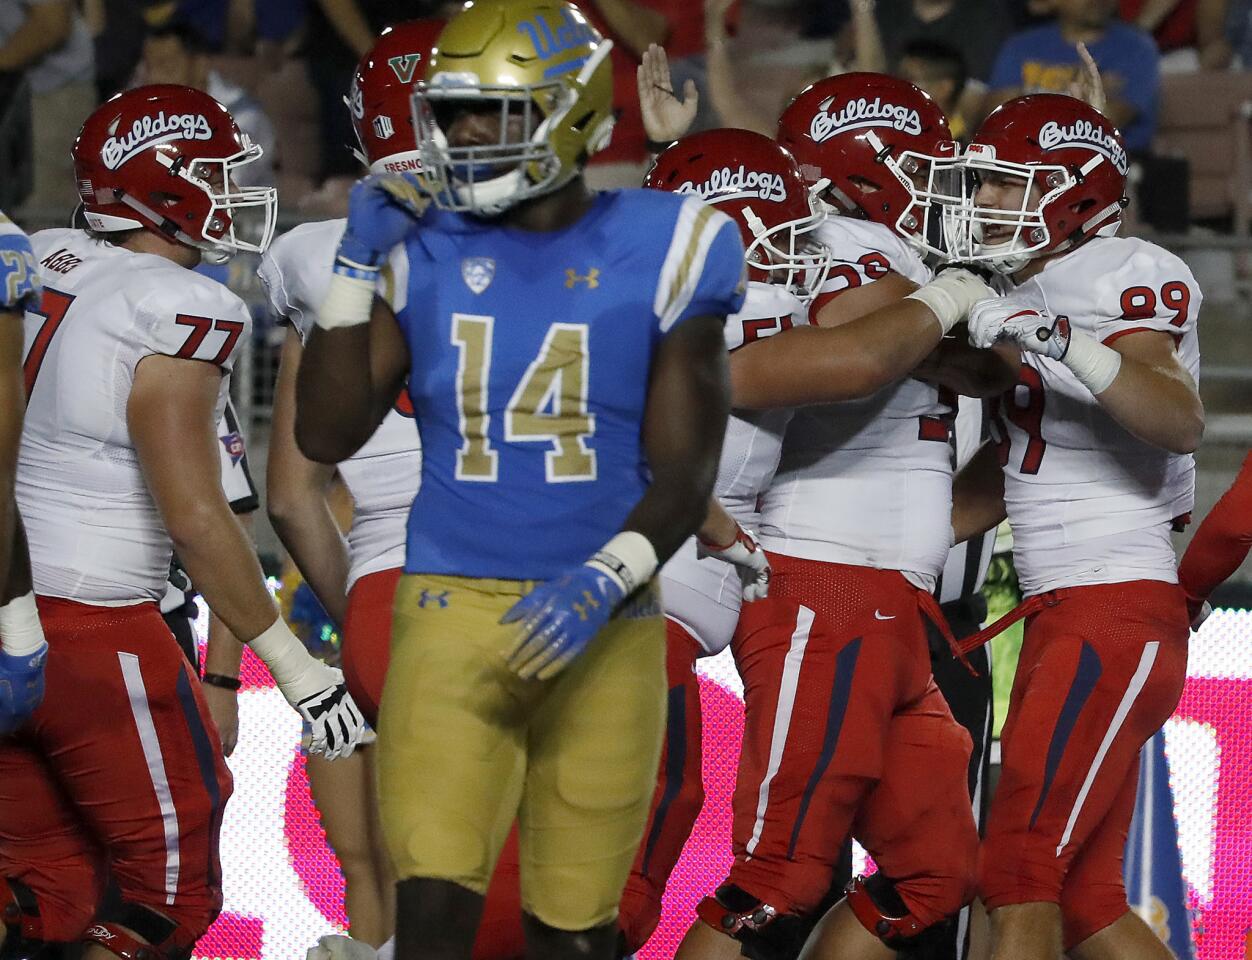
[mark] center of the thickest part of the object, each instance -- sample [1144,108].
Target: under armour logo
[439,599]
[589,603]
[591,278]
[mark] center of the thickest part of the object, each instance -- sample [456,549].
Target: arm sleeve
[201,321]
[1221,543]
[237,480]
[704,271]
[19,273]
[1150,290]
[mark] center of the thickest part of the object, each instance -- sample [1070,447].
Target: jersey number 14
[549,404]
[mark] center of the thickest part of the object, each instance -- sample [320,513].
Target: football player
[800,792]
[126,371]
[564,358]
[1095,443]
[757,182]
[22,646]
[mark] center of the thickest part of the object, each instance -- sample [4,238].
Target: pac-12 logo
[727,184]
[861,114]
[148,131]
[1083,133]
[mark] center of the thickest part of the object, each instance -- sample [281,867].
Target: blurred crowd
[283,67]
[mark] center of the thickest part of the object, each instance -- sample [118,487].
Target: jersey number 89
[549,404]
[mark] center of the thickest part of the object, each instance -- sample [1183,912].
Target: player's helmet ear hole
[864,184]
[581,122]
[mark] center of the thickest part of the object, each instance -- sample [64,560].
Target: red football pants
[846,732]
[121,761]
[367,638]
[678,797]
[1101,670]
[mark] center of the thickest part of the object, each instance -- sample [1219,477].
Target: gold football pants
[466,747]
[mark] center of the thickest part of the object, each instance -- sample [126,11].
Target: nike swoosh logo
[879,616]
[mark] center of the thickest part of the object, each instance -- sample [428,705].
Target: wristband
[221,680]
[21,633]
[629,559]
[1094,365]
[349,298]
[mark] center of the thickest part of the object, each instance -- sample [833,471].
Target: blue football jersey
[530,360]
[19,274]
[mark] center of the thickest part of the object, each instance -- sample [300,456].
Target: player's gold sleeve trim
[694,232]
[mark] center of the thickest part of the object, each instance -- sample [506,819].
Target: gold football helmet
[544,72]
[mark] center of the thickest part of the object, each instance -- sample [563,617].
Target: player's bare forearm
[1223,540]
[808,365]
[1153,396]
[978,495]
[967,370]
[17,582]
[718,526]
[349,377]
[171,414]
[296,501]
[223,651]
[684,423]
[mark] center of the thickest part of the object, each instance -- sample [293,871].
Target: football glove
[744,553]
[21,686]
[997,321]
[560,618]
[316,691]
[335,721]
[382,209]
[335,947]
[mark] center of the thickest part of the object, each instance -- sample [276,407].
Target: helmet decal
[405,66]
[1084,133]
[149,131]
[861,114]
[727,184]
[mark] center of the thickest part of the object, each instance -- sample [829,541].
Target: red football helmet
[876,139]
[758,183]
[163,158]
[379,96]
[1070,163]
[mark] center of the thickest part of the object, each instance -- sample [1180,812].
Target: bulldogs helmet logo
[728,184]
[861,114]
[1083,133]
[148,131]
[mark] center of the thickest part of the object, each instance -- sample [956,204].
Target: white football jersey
[1089,502]
[384,474]
[705,595]
[867,482]
[94,530]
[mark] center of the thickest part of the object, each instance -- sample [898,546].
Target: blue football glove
[21,687]
[559,618]
[382,209]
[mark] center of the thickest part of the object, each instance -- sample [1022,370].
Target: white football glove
[744,553]
[335,947]
[316,691]
[998,321]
